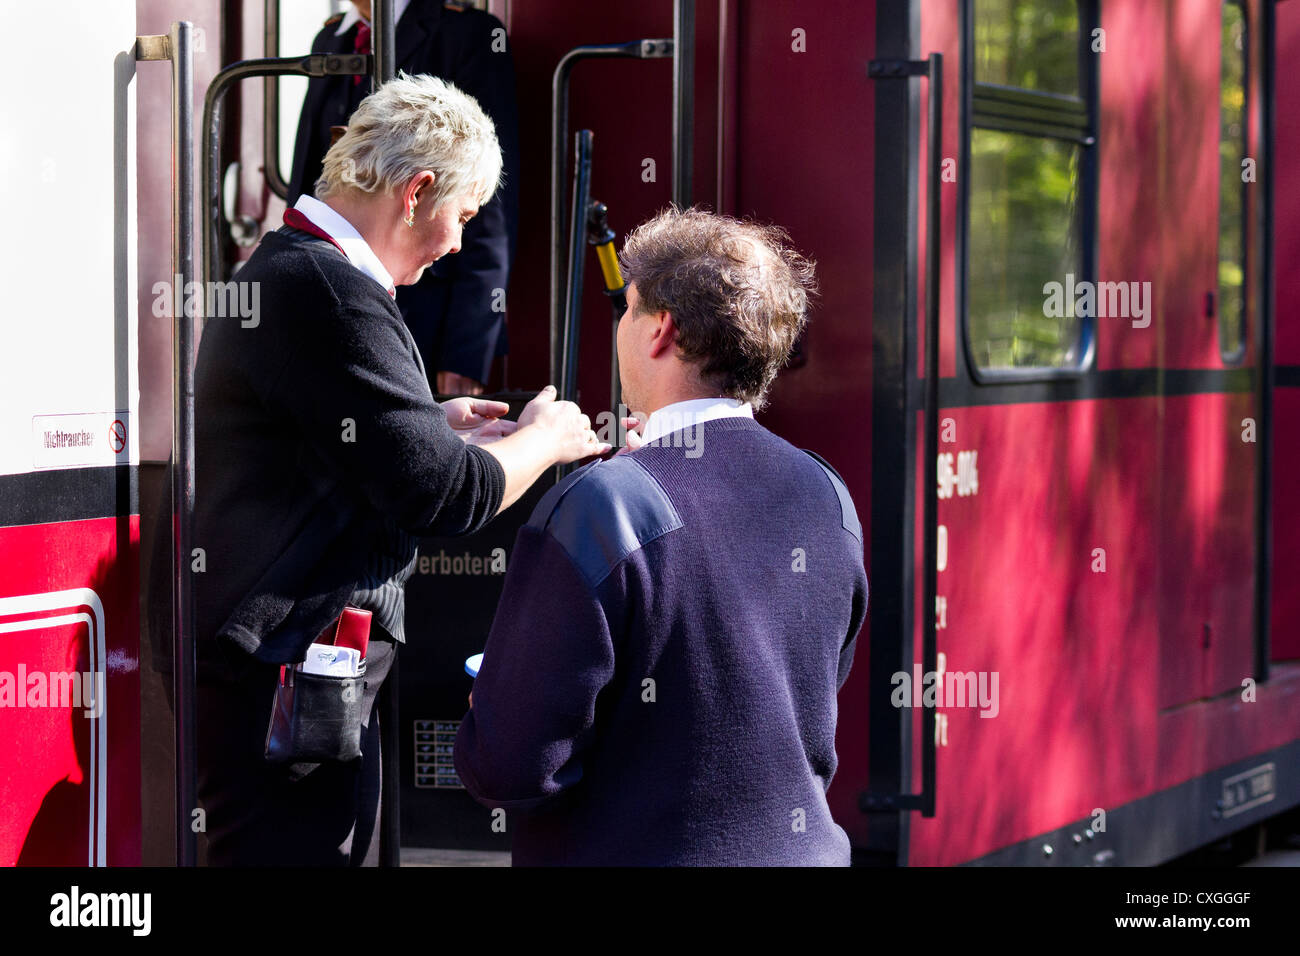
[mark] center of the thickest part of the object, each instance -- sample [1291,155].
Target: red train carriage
[1046,360]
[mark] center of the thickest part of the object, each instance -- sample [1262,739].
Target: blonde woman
[321,454]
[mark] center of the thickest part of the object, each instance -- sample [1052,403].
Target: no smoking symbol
[117,435]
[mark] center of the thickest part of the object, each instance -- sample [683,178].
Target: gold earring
[410,217]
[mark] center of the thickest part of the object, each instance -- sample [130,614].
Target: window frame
[1237,356]
[1033,113]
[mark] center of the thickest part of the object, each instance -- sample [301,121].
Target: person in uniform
[457,311]
[321,456]
[659,684]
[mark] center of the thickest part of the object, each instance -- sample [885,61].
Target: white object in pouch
[330,661]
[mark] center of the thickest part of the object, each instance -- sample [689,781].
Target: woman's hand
[565,426]
[478,421]
[633,427]
[549,433]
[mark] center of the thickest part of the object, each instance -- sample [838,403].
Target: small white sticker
[91,438]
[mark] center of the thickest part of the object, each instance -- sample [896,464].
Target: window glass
[1231,297]
[300,21]
[1024,233]
[1031,44]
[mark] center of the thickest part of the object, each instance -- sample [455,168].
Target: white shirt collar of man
[345,234]
[681,415]
[351,17]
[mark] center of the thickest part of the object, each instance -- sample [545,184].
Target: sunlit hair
[409,124]
[737,292]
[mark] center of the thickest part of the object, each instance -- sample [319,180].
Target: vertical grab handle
[177,47]
[635,49]
[930,521]
[931,68]
[571,329]
[275,180]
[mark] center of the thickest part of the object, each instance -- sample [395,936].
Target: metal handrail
[634,49]
[314,65]
[275,180]
[382,69]
[932,69]
[177,47]
[582,147]
[683,101]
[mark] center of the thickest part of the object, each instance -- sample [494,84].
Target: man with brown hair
[659,686]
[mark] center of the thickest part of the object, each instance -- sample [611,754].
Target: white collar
[351,17]
[345,234]
[680,415]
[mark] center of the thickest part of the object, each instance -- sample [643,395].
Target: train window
[1233,152]
[299,22]
[1030,44]
[1024,213]
[1030,195]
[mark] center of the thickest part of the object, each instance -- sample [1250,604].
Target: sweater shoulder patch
[848,513]
[605,512]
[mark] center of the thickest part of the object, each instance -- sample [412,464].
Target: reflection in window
[1031,44]
[1024,200]
[1029,192]
[1232,189]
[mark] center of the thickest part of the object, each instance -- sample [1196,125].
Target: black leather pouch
[315,718]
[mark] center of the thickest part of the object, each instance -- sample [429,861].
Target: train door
[69,450]
[757,149]
[729,129]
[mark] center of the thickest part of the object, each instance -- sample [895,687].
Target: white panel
[68,241]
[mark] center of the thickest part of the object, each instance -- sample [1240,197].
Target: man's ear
[664,337]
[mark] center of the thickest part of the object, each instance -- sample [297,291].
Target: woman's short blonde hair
[409,124]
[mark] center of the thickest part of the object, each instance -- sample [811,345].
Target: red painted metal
[69,781]
[1286,236]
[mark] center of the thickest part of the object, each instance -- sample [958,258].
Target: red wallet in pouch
[352,629]
[317,717]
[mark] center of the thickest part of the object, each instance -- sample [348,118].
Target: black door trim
[68,494]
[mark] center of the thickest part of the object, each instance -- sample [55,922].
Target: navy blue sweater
[659,685]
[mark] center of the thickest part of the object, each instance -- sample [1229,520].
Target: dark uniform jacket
[659,685]
[450,311]
[320,454]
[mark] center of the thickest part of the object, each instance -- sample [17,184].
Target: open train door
[452,597]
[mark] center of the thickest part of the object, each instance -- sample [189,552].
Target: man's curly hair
[737,292]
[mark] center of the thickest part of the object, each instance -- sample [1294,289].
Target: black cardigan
[319,452]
